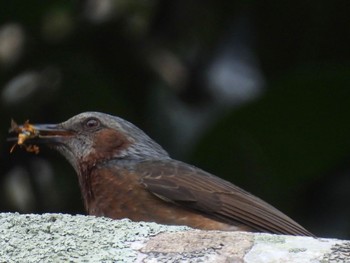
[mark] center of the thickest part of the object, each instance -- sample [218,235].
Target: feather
[196,189]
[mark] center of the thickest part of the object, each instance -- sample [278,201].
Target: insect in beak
[25,132]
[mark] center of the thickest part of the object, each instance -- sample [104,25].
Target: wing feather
[194,188]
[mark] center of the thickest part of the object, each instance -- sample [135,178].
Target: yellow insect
[25,132]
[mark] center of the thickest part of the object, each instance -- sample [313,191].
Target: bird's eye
[91,123]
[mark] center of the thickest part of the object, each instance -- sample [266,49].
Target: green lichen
[66,238]
[296,250]
[270,239]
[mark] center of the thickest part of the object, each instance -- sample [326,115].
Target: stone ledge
[64,238]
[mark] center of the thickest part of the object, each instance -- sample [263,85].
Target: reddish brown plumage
[133,202]
[108,142]
[124,174]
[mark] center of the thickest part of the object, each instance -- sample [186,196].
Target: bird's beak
[39,133]
[49,133]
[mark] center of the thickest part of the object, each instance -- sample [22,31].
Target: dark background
[256,92]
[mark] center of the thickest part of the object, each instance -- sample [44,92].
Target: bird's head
[92,137]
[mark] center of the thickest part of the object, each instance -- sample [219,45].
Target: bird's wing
[194,188]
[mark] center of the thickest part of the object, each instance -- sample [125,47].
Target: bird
[123,173]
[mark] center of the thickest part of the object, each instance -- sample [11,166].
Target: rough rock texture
[66,238]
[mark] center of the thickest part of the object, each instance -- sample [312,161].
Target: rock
[67,238]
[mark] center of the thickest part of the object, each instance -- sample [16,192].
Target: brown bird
[123,173]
